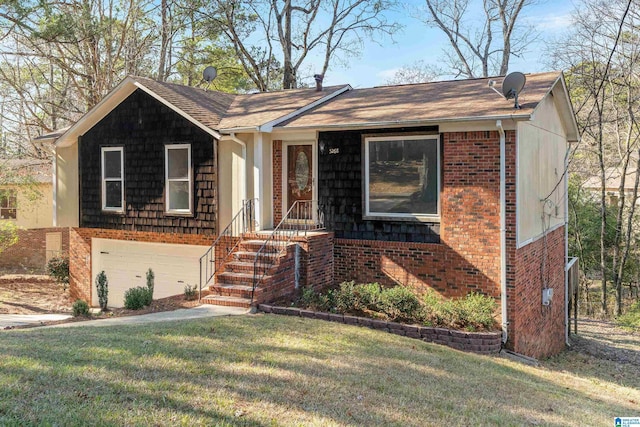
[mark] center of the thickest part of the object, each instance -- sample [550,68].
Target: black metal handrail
[243,222]
[302,216]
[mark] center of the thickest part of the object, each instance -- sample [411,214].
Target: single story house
[26,201]
[441,185]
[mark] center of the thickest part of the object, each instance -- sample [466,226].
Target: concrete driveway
[200,312]
[11,320]
[203,311]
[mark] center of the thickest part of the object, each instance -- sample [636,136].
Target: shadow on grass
[265,370]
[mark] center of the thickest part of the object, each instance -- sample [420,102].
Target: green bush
[80,308]
[137,298]
[473,312]
[368,297]
[58,269]
[320,301]
[346,297]
[630,319]
[190,292]
[102,286]
[400,303]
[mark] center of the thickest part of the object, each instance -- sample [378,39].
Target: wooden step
[227,301]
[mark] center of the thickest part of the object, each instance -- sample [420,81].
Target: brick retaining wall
[475,342]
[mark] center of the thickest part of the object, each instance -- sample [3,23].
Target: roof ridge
[180,85]
[456,80]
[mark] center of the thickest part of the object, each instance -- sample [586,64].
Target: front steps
[234,283]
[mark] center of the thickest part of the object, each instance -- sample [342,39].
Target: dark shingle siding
[340,192]
[143,126]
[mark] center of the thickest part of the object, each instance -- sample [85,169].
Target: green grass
[630,319]
[268,370]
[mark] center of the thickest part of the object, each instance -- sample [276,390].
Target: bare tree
[602,54]
[272,37]
[418,72]
[483,48]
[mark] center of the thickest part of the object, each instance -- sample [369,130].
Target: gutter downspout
[54,178]
[503,233]
[567,325]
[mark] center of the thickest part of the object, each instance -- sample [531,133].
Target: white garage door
[126,264]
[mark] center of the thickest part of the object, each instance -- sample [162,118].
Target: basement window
[112,179]
[8,204]
[402,176]
[178,178]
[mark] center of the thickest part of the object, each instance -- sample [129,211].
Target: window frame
[104,180]
[167,180]
[367,213]
[10,192]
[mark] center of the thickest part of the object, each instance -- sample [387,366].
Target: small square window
[178,178]
[112,179]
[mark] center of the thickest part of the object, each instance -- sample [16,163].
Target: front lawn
[267,370]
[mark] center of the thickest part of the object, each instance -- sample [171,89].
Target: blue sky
[419,42]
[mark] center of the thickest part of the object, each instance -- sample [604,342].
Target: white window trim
[189,179]
[104,180]
[421,216]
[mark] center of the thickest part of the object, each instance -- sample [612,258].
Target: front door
[300,181]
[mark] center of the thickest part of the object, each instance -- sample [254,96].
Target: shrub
[150,282]
[137,298]
[58,269]
[80,308]
[473,312]
[346,297]
[630,319]
[400,303]
[102,285]
[308,297]
[368,297]
[190,292]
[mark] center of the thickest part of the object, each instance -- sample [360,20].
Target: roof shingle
[446,100]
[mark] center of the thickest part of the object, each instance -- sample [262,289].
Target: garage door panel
[126,264]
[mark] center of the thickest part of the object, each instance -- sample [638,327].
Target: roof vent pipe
[318,78]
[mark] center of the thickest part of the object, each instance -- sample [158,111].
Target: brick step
[255,245]
[233,278]
[227,301]
[239,291]
[245,266]
[250,256]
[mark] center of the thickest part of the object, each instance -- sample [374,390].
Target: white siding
[541,149]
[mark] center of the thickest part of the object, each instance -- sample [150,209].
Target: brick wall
[28,255]
[534,329]
[468,256]
[418,265]
[80,273]
[277,182]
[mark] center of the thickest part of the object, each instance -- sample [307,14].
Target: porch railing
[302,217]
[243,222]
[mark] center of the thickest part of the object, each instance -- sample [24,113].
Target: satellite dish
[209,74]
[512,85]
